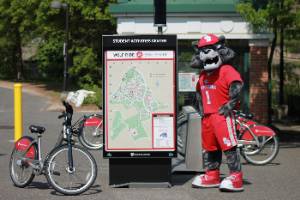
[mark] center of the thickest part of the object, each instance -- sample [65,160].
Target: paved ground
[279,180]
[50,94]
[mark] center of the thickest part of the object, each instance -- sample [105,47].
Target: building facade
[190,20]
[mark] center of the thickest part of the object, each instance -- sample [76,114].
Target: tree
[276,16]
[88,21]
[16,26]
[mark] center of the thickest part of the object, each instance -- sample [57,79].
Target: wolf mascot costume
[218,90]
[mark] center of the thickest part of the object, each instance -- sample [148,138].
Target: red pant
[218,132]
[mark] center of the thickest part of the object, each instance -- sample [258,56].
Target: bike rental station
[146,137]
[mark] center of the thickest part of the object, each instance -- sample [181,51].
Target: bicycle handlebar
[68,113]
[62,115]
[241,114]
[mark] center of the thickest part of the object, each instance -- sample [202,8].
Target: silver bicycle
[69,169]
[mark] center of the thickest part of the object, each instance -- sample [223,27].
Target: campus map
[138,89]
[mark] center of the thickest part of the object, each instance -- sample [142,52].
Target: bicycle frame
[39,163]
[242,127]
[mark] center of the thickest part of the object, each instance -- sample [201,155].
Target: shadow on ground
[39,185]
[92,190]
[45,186]
[181,178]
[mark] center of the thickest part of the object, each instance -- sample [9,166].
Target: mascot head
[211,53]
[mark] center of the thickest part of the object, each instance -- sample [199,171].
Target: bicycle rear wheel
[65,180]
[264,154]
[182,121]
[21,173]
[91,135]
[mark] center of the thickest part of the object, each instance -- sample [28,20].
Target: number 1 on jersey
[207,97]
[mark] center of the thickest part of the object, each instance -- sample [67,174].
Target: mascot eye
[206,49]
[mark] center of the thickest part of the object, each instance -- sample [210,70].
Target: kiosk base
[140,172]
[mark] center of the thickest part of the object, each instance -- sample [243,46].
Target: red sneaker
[233,183]
[209,179]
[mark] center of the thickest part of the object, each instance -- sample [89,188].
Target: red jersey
[214,87]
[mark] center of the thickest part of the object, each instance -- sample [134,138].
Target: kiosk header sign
[139,96]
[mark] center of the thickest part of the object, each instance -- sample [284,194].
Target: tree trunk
[281,68]
[18,55]
[273,46]
[281,61]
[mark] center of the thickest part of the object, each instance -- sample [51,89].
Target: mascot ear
[196,63]
[226,53]
[195,46]
[222,39]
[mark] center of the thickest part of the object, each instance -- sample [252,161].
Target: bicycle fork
[70,153]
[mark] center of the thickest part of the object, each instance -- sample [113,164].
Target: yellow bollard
[18,110]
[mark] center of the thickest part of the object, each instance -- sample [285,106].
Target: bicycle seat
[36,129]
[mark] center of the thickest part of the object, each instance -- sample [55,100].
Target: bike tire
[21,173]
[91,137]
[181,133]
[264,154]
[66,182]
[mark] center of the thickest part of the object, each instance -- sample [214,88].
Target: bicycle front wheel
[91,135]
[71,181]
[263,154]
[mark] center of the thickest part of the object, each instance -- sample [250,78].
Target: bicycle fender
[93,121]
[258,130]
[23,144]
[261,130]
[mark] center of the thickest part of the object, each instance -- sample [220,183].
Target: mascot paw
[225,110]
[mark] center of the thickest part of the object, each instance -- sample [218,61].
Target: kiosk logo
[140,154]
[139,54]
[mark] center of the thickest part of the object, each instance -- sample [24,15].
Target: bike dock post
[189,144]
[18,111]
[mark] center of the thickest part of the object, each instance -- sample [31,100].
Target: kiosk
[139,90]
